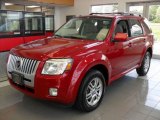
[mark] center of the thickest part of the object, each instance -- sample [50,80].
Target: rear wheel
[91,91]
[144,68]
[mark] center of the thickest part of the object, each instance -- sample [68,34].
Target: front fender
[82,68]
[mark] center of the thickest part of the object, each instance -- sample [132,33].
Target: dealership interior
[131,97]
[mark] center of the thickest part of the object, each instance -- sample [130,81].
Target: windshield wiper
[74,37]
[58,36]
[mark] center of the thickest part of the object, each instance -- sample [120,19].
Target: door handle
[130,44]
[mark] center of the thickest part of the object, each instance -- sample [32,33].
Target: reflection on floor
[156,50]
[129,98]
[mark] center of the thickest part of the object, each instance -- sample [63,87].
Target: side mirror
[121,37]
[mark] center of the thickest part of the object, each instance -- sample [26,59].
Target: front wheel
[91,91]
[144,68]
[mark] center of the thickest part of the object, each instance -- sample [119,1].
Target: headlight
[57,66]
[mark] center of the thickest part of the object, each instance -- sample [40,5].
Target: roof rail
[119,13]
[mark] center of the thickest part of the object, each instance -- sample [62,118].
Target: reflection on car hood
[54,48]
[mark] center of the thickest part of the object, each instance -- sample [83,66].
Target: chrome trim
[27,68]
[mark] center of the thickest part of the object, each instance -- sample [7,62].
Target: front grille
[23,65]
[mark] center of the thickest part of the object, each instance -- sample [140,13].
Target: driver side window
[122,27]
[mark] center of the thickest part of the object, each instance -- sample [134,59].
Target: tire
[91,91]
[144,68]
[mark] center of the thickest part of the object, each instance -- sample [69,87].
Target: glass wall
[10,23]
[136,9]
[49,23]
[49,18]
[21,23]
[104,8]
[150,10]
[33,23]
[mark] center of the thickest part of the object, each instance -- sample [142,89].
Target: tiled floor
[129,98]
[3,61]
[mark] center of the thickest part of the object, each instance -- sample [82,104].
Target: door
[137,40]
[120,52]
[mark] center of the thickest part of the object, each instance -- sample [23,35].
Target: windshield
[85,28]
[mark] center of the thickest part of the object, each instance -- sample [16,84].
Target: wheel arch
[150,51]
[98,62]
[102,68]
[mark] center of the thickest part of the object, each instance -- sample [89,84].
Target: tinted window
[146,25]
[122,27]
[147,30]
[135,28]
[10,23]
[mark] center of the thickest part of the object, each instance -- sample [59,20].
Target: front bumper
[38,85]
[42,85]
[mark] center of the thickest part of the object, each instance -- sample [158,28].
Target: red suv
[83,57]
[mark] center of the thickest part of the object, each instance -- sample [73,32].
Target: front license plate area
[17,79]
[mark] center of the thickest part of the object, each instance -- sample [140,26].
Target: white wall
[83,7]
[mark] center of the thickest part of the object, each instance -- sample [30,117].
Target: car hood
[54,48]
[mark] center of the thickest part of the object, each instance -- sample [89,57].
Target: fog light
[53,91]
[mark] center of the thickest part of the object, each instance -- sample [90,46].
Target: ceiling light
[32,6]
[7,4]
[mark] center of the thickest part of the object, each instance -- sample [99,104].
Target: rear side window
[135,28]
[146,26]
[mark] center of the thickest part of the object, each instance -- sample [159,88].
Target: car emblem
[18,64]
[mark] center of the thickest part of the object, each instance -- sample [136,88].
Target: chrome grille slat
[31,67]
[24,64]
[28,66]
[35,62]
[25,69]
[14,59]
[11,62]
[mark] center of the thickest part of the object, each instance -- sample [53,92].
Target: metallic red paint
[117,57]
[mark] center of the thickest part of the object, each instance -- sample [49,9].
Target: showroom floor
[129,98]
